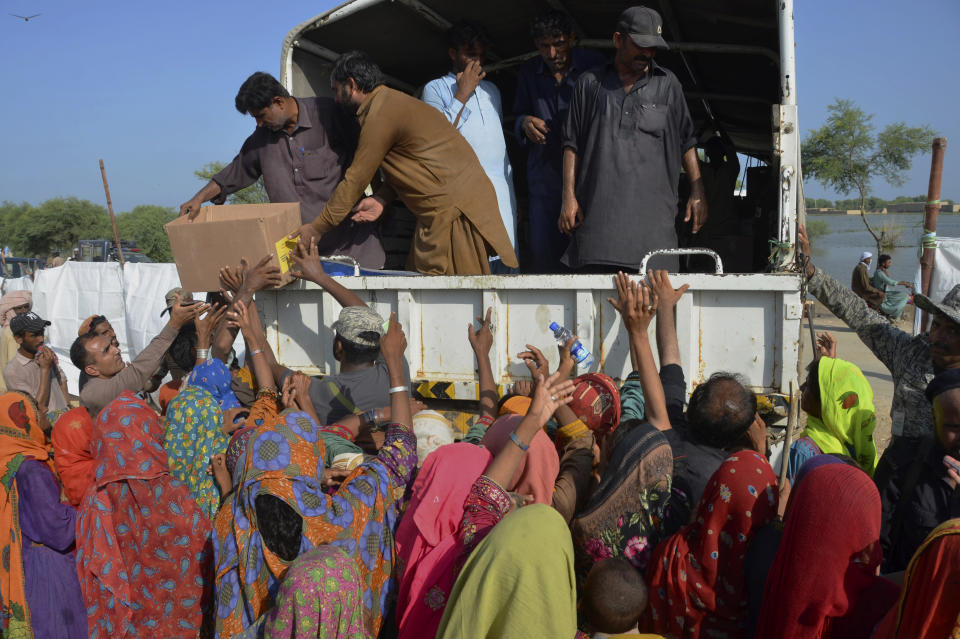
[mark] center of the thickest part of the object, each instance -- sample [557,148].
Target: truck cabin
[727,57]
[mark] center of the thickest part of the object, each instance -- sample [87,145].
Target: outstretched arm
[637,305]
[481,341]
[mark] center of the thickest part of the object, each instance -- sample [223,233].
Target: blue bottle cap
[554,326]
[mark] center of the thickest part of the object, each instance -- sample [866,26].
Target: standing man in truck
[427,164]
[473,106]
[301,147]
[626,135]
[544,90]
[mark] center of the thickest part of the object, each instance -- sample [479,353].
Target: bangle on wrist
[254,352]
[203,353]
[399,389]
[516,440]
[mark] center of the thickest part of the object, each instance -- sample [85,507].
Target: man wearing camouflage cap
[363,383]
[912,360]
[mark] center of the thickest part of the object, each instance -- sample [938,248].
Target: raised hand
[288,394]
[549,394]
[536,361]
[394,344]
[181,315]
[307,258]
[481,341]
[660,283]
[468,80]
[207,324]
[261,276]
[636,303]
[231,278]
[826,345]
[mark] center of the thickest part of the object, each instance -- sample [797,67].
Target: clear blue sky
[149,87]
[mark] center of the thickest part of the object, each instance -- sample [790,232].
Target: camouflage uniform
[905,356]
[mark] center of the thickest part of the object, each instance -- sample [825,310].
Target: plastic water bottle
[581,355]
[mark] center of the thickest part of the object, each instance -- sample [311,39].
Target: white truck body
[746,323]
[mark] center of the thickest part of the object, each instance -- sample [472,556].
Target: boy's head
[614,597]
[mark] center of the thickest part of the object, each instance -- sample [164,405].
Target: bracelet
[255,352]
[520,444]
[399,389]
[203,353]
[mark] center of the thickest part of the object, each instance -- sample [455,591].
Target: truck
[106,251]
[736,63]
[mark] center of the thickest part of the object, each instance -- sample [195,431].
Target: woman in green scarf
[895,300]
[518,581]
[838,402]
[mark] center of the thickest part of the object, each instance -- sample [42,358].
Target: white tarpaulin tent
[131,299]
[946,273]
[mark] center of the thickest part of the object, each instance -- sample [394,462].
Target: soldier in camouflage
[911,360]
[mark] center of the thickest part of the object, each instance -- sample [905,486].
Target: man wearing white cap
[860,282]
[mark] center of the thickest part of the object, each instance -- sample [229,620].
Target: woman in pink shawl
[460,494]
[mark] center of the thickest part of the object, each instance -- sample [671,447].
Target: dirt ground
[850,348]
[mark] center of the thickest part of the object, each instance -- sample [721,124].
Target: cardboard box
[220,235]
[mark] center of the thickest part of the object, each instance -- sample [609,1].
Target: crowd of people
[252,500]
[605,141]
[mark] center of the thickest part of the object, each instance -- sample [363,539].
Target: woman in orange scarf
[71,437]
[38,578]
[930,602]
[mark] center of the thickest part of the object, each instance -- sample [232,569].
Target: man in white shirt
[473,106]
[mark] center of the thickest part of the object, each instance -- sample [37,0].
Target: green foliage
[144,226]
[817,227]
[256,193]
[56,224]
[818,203]
[846,155]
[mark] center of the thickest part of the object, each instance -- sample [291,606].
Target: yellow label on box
[286,247]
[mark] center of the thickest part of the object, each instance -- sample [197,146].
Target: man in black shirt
[626,134]
[918,486]
[721,419]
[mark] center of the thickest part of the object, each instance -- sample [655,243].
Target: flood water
[838,251]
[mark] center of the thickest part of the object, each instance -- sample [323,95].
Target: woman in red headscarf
[461,493]
[696,576]
[39,593]
[930,602]
[823,582]
[71,437]
[144,549]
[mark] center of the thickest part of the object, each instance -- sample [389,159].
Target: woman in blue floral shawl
[194,433]
[284,463]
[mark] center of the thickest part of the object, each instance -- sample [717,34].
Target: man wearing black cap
[625,137]
[923,493]
[35,370]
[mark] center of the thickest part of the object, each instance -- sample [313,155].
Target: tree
[12,218]
[256,193]
[58,224]
[144,226]
[846,155]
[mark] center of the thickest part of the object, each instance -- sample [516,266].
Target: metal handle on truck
[683,251]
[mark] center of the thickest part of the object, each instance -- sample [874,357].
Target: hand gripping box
[220,235]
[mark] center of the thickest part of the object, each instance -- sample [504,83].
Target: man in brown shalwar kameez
[427,164]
